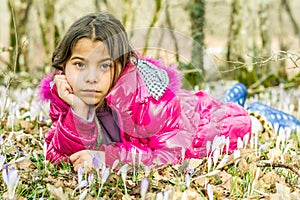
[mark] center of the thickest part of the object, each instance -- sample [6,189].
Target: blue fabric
[236,94]
[274,116]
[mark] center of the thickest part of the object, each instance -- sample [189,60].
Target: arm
[69,132]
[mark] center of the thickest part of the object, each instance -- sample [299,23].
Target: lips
[91,91]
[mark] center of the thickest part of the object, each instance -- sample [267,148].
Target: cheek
[106,82]
[72,79]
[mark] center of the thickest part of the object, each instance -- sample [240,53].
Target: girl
[106,98]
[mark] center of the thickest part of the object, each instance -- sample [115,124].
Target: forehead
[86,47]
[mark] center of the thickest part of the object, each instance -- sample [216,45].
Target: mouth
[91,91]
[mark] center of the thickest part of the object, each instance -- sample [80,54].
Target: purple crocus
[97,160]
[11,179]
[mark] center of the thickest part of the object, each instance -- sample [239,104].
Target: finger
[61,80]
[81,163]
[58,78]
[74,157]
[77,166]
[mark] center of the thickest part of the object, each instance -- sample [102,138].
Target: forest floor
[266,166]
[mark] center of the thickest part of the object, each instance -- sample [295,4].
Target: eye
[105,66]
[79,65]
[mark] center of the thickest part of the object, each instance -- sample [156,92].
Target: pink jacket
[156,118]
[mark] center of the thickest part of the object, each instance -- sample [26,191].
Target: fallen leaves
[269,172]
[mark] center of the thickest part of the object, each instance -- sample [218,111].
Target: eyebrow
[81,58]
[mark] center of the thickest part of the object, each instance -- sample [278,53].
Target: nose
[92,76]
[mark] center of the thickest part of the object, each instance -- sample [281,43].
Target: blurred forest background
[256,42]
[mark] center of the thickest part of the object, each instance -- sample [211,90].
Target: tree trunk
[19,12]
[47,28]
[265,36]
[196,9]
[235,45]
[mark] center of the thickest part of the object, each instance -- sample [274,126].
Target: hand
[79,158]
[65,92]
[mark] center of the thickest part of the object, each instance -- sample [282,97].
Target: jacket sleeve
[69,133]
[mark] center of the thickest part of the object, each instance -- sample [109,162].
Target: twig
[259,90]
[280,165]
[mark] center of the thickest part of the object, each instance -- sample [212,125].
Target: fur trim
[174,75]
[45,88]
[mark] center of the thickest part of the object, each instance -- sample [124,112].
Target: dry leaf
[201,181]
[24,163]
[26,125]
[126,197]
[226,180]
[295,195]
[57,193]
[272,178]
[192,194]
[243,166]
[194,163]
[282,193]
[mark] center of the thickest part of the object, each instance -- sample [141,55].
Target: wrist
[81,111]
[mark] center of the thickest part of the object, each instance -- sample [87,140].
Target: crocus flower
[83,195]
[105,174]
[236,155]
[147,170]
[209,163]
[123,172]
[208,146]
[2,160]
[144,187]
[11,179]
[91,178]
[246,139]
[216,156]
[218,142]
[133,154]
[223,161]
[115,164]
[79,174]
[240,143]
[210,192]
[187,180]
[182,153]
[227,144]
[97,159]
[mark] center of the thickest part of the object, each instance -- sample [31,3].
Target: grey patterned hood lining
[156,79]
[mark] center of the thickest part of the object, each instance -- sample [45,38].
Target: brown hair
[96,26]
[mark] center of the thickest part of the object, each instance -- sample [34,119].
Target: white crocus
[144,187]
[2,160]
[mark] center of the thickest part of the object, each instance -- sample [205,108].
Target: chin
[91,102]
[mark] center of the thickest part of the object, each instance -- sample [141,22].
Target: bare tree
[196,10]
[19,12]
[158,4]
[48,29]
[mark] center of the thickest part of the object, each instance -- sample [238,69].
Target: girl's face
[89,70]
